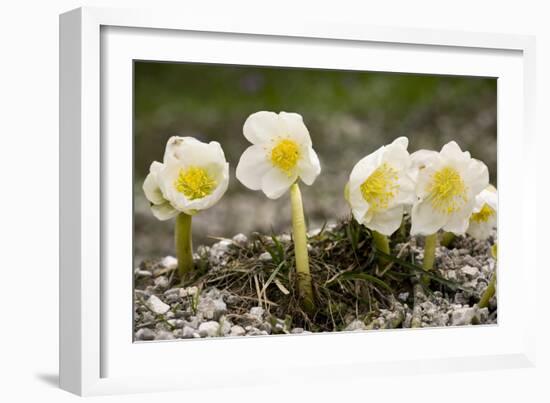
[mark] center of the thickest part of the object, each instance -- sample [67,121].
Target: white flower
[380,186]
[280,153]
[484,217]
[192,177]
[446,188]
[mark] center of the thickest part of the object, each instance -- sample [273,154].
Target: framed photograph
[312,202]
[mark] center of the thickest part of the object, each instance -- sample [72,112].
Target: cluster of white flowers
[194,175]
[446,190]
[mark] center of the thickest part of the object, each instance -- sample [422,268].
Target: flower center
[380,187]
[194,183]
[285,155]
[447,191]
[483,215]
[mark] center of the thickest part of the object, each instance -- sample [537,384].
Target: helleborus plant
[281,154]
[379,188]
[482,222]
[192,177]
[446,188]
[484,216]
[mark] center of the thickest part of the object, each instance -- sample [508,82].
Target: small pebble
[257,312]
[188,332]
[157,306]
[209,329]
[265,257]
[237,331]
[164,335]
[143,273]
[161,282]
[169,262]
[240,239]
[145,334]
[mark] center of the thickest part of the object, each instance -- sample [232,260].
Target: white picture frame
[96,49]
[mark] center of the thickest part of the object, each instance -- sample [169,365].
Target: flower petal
[387,222]
[261,127]
[401,142]
[252,166]
[309,166]
[481,230]
[150,185]
[275,183]
[457,223]
[422,158]
[188,151]
[365,167]
[359,207]
[406,193]
[425,220]
[294,128]
[451,152]
[164,211]
[476,175]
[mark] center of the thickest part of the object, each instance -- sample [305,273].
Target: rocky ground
[164,309]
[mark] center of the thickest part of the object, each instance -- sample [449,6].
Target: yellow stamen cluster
[447,191]
[380,187]
[285,155]
[483,215]
[194,183]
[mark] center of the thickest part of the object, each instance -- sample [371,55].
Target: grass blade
[365,277]
[432,276]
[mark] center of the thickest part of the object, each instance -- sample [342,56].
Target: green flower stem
[489,292]
[430,243]
[446,239]
[382,244]
[184,245]
[300,248]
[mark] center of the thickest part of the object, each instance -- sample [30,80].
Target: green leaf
[417,269]
[354,275]
[272,276]
[279,249]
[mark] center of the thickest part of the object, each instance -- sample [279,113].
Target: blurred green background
[349,114]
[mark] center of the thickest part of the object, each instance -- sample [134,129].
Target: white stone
[211,308]
[257,312]
[164,335]
[237,331]
[356,325]
[162,282]
[451,275]
[285,238]
[188,332]
[470,271]
[463,316]
[145,334]
[240,239]
[403,296]
[189,291]
[265,257]
[219,250]
[169,262]
[209,329]
[157,306]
